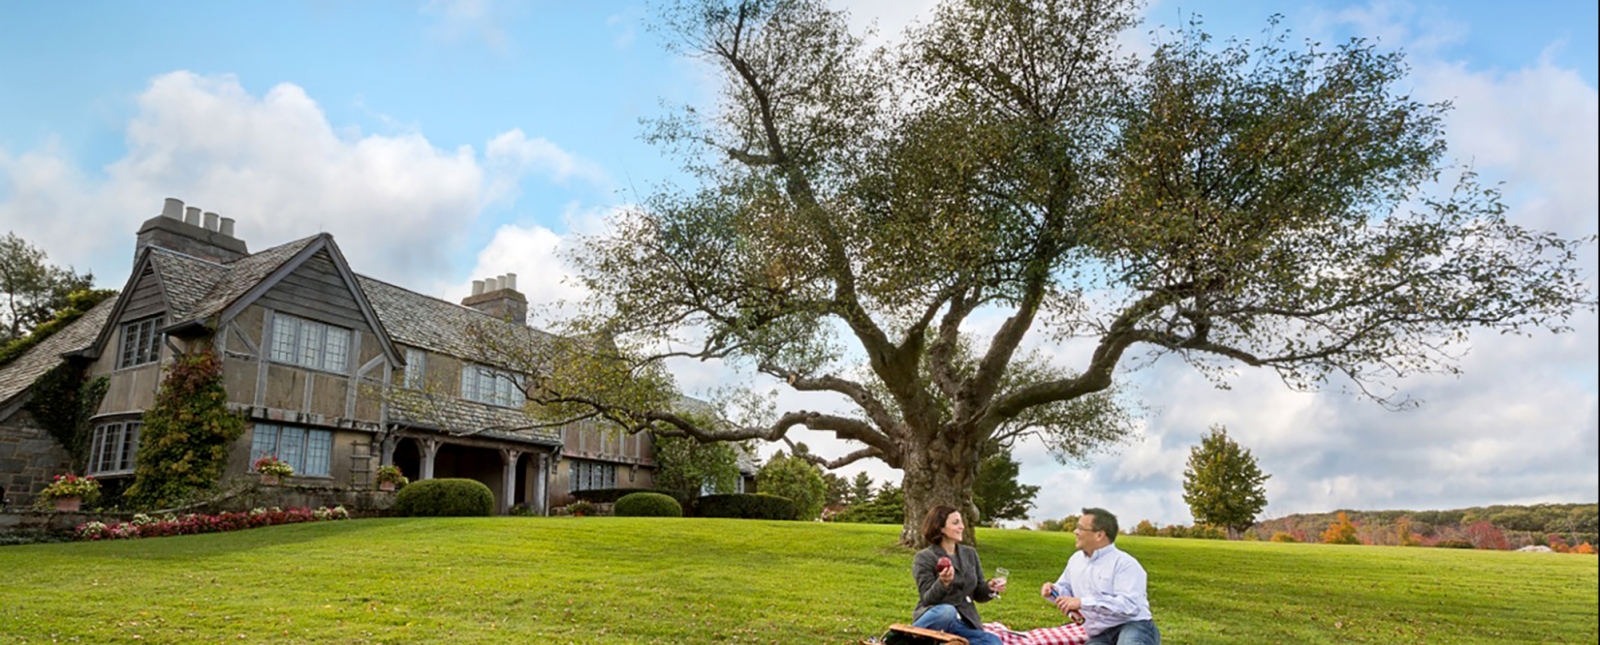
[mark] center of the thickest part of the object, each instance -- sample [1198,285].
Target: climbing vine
[62,402]
[78,303]
[183,446]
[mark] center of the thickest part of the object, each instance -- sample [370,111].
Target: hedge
[444,498]
[611,495]
[647,505]
[760,506]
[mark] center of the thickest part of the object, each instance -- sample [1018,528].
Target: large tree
[1222,484]
[1007,174]
[31,289]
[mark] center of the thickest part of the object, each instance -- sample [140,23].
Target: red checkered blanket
[1063,635]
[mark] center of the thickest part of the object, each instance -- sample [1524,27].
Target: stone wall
[29,458]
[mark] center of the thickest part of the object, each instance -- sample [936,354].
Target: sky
[444,141]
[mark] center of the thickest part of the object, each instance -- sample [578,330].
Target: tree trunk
[939,471]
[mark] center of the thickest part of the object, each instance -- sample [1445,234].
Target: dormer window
[492,386]
[139,340]
[308,343]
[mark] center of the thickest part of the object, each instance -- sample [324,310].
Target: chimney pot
[511,281]
[477,287]
[494,283]
[173,208]
[211,221]
[191,215]
[225,227]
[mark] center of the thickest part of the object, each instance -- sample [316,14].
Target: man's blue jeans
[945,619]
[1139,632]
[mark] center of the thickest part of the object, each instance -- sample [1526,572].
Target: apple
[944,563]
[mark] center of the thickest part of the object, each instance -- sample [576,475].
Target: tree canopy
[31,289]
[898,226]
[1222,484]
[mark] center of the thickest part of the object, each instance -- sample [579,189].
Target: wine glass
[1001,574]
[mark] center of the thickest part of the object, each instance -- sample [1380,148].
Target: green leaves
[1222,484]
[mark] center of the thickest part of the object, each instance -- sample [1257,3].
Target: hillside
[696,581]
[1483,526]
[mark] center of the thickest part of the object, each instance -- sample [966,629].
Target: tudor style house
[336,373]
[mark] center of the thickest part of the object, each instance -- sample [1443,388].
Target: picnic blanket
[1063,635]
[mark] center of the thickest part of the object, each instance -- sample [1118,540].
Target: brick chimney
[498,297]
[190,232]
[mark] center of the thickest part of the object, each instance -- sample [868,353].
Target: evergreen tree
[1222,484]
[860,489]
[996,492]
[688,467]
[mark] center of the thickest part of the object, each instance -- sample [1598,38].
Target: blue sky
[446,141]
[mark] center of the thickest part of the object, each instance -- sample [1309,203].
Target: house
[335,372]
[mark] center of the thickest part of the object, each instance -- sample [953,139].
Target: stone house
[336,373]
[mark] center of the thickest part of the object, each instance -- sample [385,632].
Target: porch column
[539,485]
[430,449]
[508,479]
[386,451]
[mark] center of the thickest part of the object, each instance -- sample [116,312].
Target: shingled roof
[431,323]
[18,375]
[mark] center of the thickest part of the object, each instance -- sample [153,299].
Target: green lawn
[615,580]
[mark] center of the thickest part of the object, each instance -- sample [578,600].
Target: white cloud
[459,19]
[398,206]
[511,156]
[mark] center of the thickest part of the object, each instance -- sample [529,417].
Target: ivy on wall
[62,402]
[183,446]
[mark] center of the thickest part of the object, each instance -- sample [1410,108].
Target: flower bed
[146,526]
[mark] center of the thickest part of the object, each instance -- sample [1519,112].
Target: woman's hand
[997,586]
[947,576]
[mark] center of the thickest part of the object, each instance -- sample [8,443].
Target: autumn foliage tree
[1341,531]
[852,210]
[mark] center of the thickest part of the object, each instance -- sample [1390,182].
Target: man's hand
[1044,592]
[1068,604]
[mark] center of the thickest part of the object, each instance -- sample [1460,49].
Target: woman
[947,596]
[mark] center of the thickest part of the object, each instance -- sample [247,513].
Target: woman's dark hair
[933,525]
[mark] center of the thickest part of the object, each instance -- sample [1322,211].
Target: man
[1105,586]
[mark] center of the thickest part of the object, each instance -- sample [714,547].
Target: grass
[623,580]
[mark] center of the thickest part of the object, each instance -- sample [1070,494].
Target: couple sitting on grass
[1102,589]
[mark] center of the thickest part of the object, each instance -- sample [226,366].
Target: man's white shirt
[1111,585]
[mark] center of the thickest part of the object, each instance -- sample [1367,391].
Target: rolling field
[694,581]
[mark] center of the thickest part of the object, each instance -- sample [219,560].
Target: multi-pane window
[309,452]
[492,386]
[112,448]
[416,367]
[139,343]
[589,475]
[309,343]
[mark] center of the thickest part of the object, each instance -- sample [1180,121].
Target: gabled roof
[206,293]
[18,375]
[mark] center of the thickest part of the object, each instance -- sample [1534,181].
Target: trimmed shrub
[1453,543]
[647,505]
[611,495]
[444,498]
[1282,536]
[760,506]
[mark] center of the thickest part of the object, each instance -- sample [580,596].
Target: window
[589,475]
[139,340]
[416,367]
[309,343]
[492,386]
[309,452]
[112,448]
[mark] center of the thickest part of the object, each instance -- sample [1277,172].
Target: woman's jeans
[945,619]
[1139,632]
